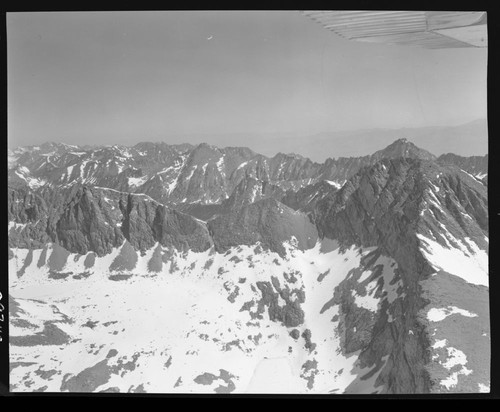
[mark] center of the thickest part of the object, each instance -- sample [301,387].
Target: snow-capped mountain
[185,174]
[161,268]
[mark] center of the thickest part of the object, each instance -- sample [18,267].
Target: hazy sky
[125,77]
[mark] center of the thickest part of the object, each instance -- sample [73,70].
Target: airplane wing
[429,29]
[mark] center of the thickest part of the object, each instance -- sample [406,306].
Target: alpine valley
[194,269]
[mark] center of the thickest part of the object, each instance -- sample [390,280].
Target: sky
[126,77]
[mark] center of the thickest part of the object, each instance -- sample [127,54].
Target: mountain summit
[403,148]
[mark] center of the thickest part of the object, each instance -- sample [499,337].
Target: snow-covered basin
[167,315]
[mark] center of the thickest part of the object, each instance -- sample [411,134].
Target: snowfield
[244,321]
[198,326]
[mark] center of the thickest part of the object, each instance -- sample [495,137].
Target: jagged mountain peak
[404,148]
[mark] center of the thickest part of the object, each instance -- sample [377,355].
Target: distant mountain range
[469,139]
[184,174]
[193,268]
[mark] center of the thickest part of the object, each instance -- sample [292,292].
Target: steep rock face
[33,215]
[28,218]
[267,221]
[85,225]
[140,220]
[171,227]
[387,206]
[89,219]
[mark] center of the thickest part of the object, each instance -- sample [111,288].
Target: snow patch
[455,358]
[367,301]
[137,181]
[440,343]
[16,226]
[334,184]
[242,165]
[69,170]
[220,164]
[438,314]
